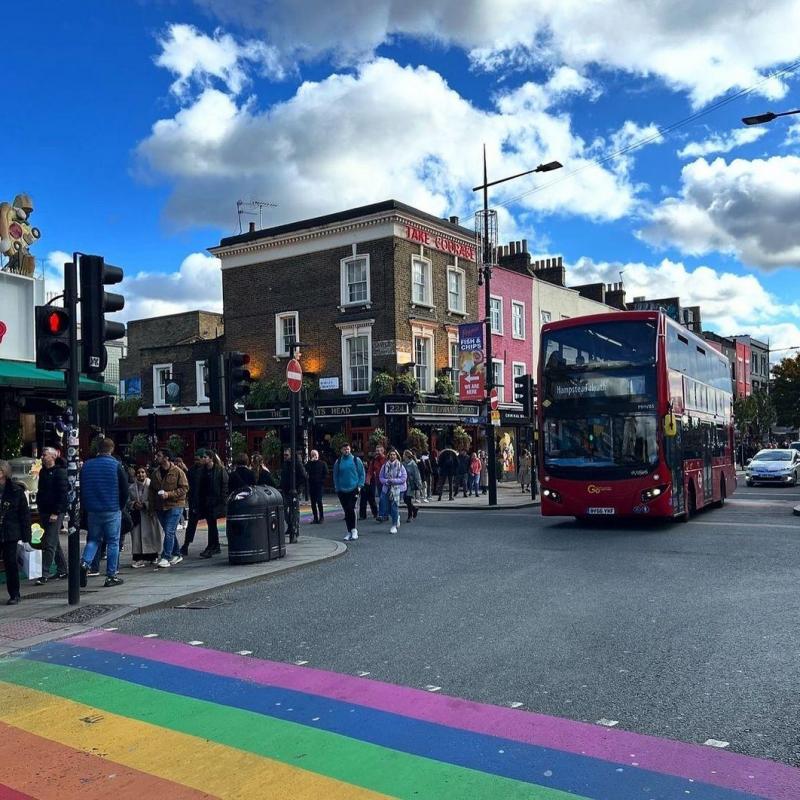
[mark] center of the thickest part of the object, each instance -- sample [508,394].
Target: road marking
[244,652]
[110,629]
[300,663]
[195,642]
[746,524]
[431,688]
[362,674]
[608,723]
[716,743]
[515,705]
[151,636]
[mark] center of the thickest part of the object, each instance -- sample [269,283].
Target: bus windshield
[599,400]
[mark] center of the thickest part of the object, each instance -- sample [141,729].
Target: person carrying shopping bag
[393,480]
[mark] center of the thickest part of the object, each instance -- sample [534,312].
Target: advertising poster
[471,364]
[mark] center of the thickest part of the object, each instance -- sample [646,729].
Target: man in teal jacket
[348,479]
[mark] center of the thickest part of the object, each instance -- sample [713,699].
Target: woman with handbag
[393,479]
[15,526]
[146,534]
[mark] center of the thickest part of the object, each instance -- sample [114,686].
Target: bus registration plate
[601,511]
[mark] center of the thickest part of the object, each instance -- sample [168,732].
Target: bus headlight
[551,494]
[651,494]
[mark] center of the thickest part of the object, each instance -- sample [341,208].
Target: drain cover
[82,614]
[202,605]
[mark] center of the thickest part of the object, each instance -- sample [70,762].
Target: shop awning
[25,376]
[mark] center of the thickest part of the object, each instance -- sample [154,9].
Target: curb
[505,507]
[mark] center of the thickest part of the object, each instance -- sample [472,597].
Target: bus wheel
[722,495]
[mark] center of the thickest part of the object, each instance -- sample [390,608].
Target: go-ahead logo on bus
[593,488]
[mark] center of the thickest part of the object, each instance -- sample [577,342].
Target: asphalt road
[687,631]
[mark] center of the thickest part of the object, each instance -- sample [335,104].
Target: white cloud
[346,140]
[691,46]
[54,270]
[721,143]
[749,209]
[730,304]
[793,135]
[192,56]
[196,284]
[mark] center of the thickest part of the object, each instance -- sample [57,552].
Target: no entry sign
[294,375]
[493,399]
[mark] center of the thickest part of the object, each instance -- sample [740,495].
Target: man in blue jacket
[348,479]
[104,493]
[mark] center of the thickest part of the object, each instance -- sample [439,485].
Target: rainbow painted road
[105,715]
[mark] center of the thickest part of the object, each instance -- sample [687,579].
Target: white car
[778,467]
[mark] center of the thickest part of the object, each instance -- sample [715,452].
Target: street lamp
[485,272]
[760,119]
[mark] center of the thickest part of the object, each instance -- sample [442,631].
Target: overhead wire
[659,134]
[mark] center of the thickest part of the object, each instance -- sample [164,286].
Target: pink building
[512,355]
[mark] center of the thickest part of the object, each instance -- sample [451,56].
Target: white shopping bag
[29,561]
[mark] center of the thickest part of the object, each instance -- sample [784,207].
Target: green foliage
[406,383]
[11,444]
[177,444]
[417,440]
[377,437]
[445,390]
[382,385]
[139,445]
[754,415]
[271,445]
[460,438]
[786,391]
[238,443]
[262,394]
[338,441]
[128,408]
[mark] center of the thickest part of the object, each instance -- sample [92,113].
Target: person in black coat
[317,471]
[242,475]
[447,467]
[52,500]
[15,526]
[300,477]
[208,491]
[463,471]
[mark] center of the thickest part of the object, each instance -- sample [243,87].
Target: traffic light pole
[73,441]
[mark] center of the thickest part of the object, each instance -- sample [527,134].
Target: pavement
[44,613]
[509,495]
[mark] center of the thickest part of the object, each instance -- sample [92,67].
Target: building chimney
[548,269]
[524,245]
[454,220]
[251,228]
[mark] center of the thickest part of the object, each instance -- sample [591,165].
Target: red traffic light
[57,322]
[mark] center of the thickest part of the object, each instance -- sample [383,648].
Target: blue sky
[137,125]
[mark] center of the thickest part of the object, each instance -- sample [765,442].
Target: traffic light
[216,390]
[52,338]
[95,303]
[238,378]
[523,393]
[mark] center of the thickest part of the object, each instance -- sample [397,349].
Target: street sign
[294,375]
[493,399]
[496,418]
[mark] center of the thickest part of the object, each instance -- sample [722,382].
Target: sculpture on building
[16,234]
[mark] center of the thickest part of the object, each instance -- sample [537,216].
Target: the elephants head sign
[16,234]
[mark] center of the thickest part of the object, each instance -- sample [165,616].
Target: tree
[271,445]
[754,415]
[786,391]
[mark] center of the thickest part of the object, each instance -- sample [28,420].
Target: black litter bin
[249,524]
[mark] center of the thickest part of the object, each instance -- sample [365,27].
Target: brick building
[370,291]
[167,367]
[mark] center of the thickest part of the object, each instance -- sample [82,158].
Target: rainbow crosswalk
[106,715]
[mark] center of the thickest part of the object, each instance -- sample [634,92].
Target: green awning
[24,375]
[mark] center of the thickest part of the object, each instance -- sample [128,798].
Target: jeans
[392,509]
[383,505]
[348,501]
[474,484]
[169,519]
[104,526]
[51,547]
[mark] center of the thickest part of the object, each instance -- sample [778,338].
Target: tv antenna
[251,208]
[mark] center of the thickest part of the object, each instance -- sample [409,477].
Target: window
[423,362]
[453,360]
[287,327]
[497,380]
[161,377]
[546,316]
[421,289]
[356,356]
[496,314]
[201,377]
[355,287]
[517,319]
[456,301]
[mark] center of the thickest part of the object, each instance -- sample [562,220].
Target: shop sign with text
[471,364]
[439,242]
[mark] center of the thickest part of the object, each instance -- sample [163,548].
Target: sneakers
[175,560]
[393,529]
[138,564]
[348,537]
[62,575]
[354,534]
[93,573]
[12,601]
[162,563]
[41,581]
[113,581]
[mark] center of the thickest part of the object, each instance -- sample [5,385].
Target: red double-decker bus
[634,417]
